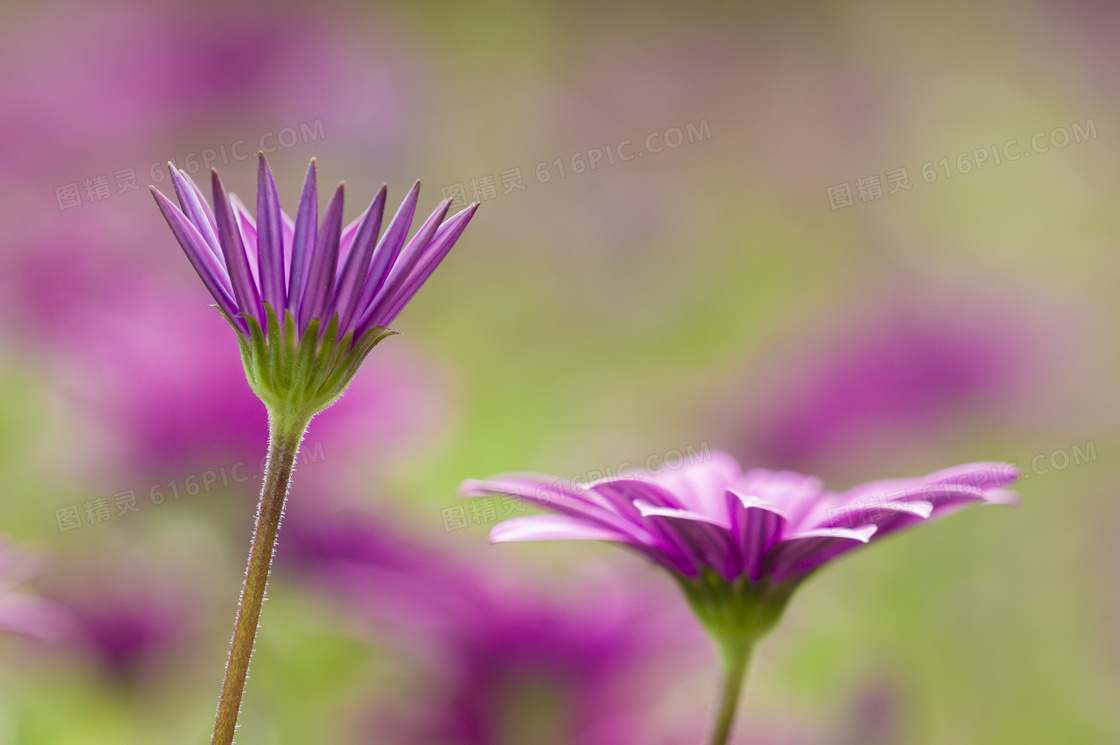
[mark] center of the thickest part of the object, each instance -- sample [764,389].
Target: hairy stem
[735,654]
[285,435]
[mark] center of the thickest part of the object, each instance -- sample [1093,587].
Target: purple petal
[409,257]
[324,260]
[287,232]
[354,269]
[560,496]
[701,485]
[209,213]
[805,551]
[248,227]
[944,508]
[981,475]
[244,290]
[886,516]
[270,243]
[553,528]
[212,273]
[441,244]
[385,254]
[304,232]
[695,537]
[194,207]
[793,494]
[346,241]
[968,479]
[618,494]
[756,526]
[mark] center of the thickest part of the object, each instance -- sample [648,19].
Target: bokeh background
[746,267]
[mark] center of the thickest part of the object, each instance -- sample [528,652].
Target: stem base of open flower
[737,615]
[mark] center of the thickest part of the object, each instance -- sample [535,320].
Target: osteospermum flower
[738,543]
[307,301]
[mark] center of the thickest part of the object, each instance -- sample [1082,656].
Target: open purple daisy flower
[308,299]
[739,543]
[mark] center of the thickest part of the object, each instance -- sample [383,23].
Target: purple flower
[126,634]
[133,614]
[767,528]
[901,372]
[739,543]
[308,300]
[178,403]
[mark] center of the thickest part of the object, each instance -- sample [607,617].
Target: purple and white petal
[756,526]
[244,288]
[801,553]
[553,528]
[324,259]
[270,239]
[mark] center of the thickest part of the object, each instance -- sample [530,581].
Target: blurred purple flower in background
[900,374]
[173,69]
[126,630]
[901,371]
[875,716]
[22,612]
[507,661]
[57,270]
[132,613]
[170,386]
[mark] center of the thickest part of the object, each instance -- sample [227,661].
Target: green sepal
[276,369]
[300,378]
[734,612]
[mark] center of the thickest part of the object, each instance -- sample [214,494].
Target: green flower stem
[736,614]
[735,656]
[286,432]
